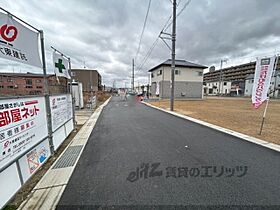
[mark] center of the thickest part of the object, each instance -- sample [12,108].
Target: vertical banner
[18,43]
[262,78]
[157,88]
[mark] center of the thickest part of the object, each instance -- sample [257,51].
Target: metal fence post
[47,93]
[71,92]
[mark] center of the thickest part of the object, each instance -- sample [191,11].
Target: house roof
[179,63]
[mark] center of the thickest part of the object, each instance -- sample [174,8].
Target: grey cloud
[105,34]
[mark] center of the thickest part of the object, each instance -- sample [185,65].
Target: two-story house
[188,79]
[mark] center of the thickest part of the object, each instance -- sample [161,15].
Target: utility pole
[173,56]
[132,83]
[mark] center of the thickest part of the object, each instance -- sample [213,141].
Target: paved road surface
[129,134]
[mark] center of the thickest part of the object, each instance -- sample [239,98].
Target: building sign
[61,110]
[17,42]
[262,78]
[23,123]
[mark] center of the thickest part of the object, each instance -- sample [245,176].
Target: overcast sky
[105,33]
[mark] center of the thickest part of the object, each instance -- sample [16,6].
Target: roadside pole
[72,97]
[70,91]
[173,56]
[47,93]
[220,78]
[132,83]
[275,77]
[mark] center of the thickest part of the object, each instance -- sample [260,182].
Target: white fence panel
[9,184]
[58,137]
[69,127]
[24,142]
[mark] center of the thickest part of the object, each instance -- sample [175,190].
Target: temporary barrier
[25,143]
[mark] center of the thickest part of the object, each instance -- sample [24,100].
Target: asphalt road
[141,158]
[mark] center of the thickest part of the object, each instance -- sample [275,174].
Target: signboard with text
[18,43]
[61,110]
[23,124]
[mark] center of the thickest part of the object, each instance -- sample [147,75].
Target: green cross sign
[60,65]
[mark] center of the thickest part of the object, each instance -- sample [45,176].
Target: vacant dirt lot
[233,113]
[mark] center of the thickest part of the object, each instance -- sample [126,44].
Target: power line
[179,13]
[143,29]
[153,45]
[166,26]
[148,53]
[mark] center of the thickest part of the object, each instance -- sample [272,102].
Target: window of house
[9,79]
[38,80]
[225,83]
[1,86]
[152,75]
[199,73]
[177,72]
[10,87]
[39,87]
[159,72]
[28,83]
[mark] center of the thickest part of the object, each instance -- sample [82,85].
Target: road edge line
[245,137]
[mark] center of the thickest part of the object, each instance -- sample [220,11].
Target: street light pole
[132,85]
[173,56]
[220,79]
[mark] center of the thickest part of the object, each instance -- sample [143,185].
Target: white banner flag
[18,43]
[60,65]
[157,88]
[262,78]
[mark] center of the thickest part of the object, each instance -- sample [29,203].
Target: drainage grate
[69,157]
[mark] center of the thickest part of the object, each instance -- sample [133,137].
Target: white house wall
[225,89]
[188,84]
